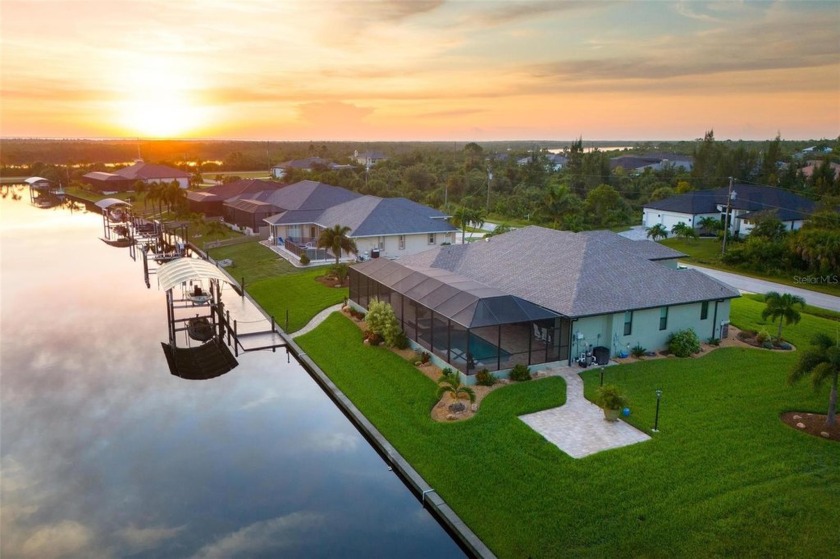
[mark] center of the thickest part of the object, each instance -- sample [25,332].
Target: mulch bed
[811,423]
[332,282]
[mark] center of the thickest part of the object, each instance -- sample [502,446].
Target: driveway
[753,285]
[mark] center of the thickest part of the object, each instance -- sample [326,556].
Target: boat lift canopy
[106,203]
[176,272]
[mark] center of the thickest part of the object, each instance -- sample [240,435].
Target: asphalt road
[753,285]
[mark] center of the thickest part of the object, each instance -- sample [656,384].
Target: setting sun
[159,117]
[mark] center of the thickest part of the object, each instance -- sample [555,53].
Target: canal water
[105,454]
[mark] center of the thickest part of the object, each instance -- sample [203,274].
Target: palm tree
[684,231]
[782,307]
[821,362]
[336,239]
[451,384]
[709,224]
[140,188]
[657,232]
[464,216]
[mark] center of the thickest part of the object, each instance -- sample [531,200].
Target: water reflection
[105,454]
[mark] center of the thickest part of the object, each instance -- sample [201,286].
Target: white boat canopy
[35,180]
[106,203]
[176,272]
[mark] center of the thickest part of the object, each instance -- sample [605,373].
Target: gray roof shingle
[574,274]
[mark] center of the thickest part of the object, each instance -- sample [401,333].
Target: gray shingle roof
[148,171]
[306,195]
[754,198]
[574,274]
[644,248]
[371,216]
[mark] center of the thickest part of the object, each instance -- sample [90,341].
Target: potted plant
[610,399]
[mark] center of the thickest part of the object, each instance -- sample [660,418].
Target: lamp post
[656,421]
[602,376]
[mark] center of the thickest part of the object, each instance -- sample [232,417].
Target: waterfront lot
[723,477]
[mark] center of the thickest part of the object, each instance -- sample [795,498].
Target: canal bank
[445,515]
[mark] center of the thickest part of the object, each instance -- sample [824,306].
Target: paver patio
[578,427]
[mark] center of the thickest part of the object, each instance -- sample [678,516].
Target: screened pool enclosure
[467,324]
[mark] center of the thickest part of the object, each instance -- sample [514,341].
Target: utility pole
[726,216]
[489,178]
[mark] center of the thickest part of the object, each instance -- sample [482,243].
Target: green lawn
[298,293]
[252,261]
[724,477]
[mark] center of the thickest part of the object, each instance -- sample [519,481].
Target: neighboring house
[652,161]
[210,201]
[554,162]
[386,227]
[747,200]
[124,179]
[808,170]
[303,195]
[248,215]
[310,163]
[368,158]
[538,296]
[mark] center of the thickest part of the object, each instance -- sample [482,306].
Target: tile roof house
[538,296]
[747,200]
[123,179]
[368,158]
[387,227]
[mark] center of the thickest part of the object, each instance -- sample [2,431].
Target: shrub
[382,320]
[610,397]
[304,259]
[339,272]
[683,343]
[762,337]
[372,337]
[402,341]
[447,373]
[714,341]
[484,378]
[425,357]
[638,350]
[520,373]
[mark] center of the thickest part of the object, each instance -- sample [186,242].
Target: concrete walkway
[316,321]
[578,427]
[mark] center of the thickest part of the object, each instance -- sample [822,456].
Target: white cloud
[263,537]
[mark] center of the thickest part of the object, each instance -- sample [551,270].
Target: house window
[402,242]
[628,323]
[431,238]
[663,318]
[704,310]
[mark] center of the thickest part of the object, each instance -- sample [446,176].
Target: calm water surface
[105,454]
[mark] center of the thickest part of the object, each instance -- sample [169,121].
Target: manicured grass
[252,261]
[746,315]
[298,293]
[724,477]
[816,311]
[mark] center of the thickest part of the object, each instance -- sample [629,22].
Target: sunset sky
[420,70]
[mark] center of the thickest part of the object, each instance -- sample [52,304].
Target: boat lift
[194,308]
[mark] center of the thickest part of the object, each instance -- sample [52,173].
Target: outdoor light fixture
[602,376]
[656,421]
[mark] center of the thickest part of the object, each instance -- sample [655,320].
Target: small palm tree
[463,217]
[821,362]
[657,232]
[684,231]
[451,384]
[710,224]
[782,307]
[336,239]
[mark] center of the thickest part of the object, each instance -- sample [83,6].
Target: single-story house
[368,158]
[248,215]
[210,201]
[746,201]
[652,161]
[808,170]
[123,180]
[386,227]
[554,161]
[303,195]
[539,296]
